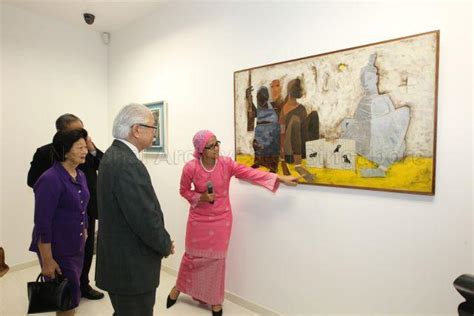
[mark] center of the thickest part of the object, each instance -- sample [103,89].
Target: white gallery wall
[301,251]
[309,249]
[48,69]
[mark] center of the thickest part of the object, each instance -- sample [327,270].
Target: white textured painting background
[407,73]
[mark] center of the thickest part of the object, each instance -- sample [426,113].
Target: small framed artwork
[159,145]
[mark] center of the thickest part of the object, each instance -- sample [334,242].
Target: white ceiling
[110,15]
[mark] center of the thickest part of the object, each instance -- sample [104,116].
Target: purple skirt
[71,267]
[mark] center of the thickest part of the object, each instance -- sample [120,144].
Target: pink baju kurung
[202,270]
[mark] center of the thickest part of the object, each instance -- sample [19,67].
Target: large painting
[159,144]
[363,117]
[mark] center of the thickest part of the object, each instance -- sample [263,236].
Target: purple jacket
[60,211]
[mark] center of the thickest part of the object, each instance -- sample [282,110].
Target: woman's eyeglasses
[210,147]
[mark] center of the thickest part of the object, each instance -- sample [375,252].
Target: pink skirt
[202,278]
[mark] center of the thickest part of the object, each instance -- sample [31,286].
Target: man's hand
[171,250]
[90,145]
[172,247]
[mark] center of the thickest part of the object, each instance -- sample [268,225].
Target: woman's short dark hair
[63,141]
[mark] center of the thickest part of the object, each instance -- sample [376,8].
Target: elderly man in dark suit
[132,236]
[43,160]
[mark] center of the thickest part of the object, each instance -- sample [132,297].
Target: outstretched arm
[289,180]
[266,179]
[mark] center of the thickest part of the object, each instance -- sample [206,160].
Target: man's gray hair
[128,116]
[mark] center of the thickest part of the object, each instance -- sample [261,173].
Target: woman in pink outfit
[205,184]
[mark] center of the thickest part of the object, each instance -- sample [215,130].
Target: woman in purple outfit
[61,198]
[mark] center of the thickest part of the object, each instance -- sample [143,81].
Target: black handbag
[49,296]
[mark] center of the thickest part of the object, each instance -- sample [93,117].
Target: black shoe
[218,313]
[92,294]
[170,302]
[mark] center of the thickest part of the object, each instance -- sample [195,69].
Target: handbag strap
[40,278]
[58,278]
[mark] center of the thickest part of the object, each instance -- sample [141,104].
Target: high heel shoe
[218,313]
[169,301]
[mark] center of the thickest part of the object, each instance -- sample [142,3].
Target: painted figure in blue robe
[266,143]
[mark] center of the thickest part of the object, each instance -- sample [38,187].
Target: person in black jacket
[43,160]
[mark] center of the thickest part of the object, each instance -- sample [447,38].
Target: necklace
[208,170]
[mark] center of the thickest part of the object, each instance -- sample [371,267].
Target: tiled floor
[13,298]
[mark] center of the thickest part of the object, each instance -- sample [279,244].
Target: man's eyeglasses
[149,126]
[216,144]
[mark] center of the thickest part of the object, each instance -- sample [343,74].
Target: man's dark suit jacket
[43,160]
[132,237]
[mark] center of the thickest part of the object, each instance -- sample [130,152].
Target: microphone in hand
[210,189]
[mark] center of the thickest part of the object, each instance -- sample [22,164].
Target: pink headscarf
[200,140]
